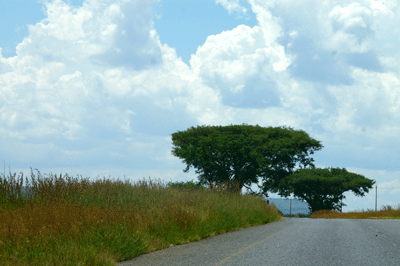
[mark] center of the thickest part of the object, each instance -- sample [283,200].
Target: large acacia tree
[244,153]
[322,189]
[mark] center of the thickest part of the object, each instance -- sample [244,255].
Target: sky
[95,88]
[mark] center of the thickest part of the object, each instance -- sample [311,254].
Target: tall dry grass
[67,221]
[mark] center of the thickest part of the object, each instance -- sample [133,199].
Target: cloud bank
[92,87]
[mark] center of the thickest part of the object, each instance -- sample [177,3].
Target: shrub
[325,213]
[185,185]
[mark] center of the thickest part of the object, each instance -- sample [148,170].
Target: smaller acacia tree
[322,189]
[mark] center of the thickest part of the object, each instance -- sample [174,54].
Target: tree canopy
[322,189]
[244,153]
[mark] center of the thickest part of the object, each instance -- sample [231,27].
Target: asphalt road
[292,241]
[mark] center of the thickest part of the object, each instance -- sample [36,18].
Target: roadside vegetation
[66,221]
[387,212]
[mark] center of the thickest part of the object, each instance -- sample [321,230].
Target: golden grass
[71,222]
[387,212]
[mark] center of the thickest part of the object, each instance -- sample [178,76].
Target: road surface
[292,241]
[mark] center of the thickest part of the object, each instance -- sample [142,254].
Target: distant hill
[284,205]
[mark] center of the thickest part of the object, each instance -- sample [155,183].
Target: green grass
[78,222]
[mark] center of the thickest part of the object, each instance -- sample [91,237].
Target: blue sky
[96,88]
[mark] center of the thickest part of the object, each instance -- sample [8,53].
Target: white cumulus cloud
[93,87]
[231,5]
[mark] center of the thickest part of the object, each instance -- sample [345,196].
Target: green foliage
[243,153]
[324,188]
[186,185]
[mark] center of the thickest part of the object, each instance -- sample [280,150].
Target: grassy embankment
[386,212]
[71,222]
